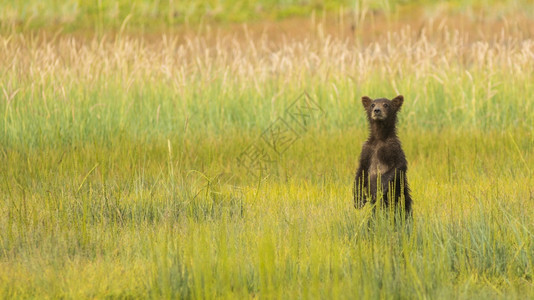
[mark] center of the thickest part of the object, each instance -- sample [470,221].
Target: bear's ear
[397,101]
[366,101]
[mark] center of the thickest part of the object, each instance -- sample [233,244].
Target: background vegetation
[120,134]
[153,16]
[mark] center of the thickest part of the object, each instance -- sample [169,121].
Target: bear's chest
[377,165]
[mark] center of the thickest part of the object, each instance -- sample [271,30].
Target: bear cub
[382,166]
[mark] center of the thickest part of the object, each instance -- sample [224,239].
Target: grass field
[119,149]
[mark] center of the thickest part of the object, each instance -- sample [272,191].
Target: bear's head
[382,109]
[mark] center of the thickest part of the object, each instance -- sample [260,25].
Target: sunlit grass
[118,173]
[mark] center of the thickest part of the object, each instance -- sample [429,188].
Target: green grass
[118,173]
[144,14]
[141,225]
[152,16]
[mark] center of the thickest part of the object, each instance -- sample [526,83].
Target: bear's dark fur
[383,164]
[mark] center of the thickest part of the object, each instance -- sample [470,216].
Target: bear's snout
[378,114]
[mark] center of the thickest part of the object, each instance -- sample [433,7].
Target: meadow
[120,148]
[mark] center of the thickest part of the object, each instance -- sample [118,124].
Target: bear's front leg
[361,182]
[360,188]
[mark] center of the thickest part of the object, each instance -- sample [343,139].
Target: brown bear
[383,166]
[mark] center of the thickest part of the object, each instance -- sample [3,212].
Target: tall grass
[118,174]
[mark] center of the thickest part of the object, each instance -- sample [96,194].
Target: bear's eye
[386,105]
[372,105]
